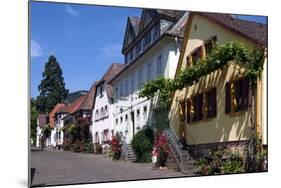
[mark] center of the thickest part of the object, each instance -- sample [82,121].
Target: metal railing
[176,146]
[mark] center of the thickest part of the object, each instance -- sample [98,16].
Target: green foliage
[220,162]
[98,148]
[142,144]
[52,86]
[89,147]
[217,59]
[234,164]
[33,120]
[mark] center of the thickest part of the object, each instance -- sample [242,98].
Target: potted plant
[162,149]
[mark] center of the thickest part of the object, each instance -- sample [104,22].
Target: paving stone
[61,167]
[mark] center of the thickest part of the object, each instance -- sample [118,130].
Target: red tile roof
[256,32]
[73,106]
[58,107]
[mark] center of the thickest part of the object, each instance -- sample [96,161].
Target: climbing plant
[221,54]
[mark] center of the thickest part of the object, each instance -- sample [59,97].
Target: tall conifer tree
[52,87]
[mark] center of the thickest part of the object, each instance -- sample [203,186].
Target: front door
[133,122]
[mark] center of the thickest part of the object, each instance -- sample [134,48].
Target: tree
[33,120]
[52,86]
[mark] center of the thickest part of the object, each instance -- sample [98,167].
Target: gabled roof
[42,120]
[70,108]
[132,29]
[176,30]
[135,21]
[88,102]
[53,112]
[138,24]
[112,71]
[254,31]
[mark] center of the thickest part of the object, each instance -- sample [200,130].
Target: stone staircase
[179,158]
[131,156]
[127,151]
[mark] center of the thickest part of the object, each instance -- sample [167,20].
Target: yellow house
[207,114]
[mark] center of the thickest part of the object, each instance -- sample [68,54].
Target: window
[131,56]
[145,112]
[132,82]
[126,117]
[121,90]
[121,119]
[140,81]
[127,87]
[197,54]
[97,115]
[147,39]
[102,112]
[211,103]
[159,65]
[101,91]
[199,107]
[236,95]
[116,121]
[138,113]
[106,110]
[156,31]
[210,44]
[138,48]
[148,72]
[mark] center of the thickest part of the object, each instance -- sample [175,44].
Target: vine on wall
[221,54]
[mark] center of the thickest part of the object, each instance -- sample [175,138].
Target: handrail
[176,146]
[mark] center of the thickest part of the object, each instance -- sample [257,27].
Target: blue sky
[85,39]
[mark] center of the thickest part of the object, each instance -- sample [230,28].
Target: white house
[102,126]
[151,48]
[41,123]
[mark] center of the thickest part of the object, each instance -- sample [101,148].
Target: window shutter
[227,98]
[187,117]
[212,103]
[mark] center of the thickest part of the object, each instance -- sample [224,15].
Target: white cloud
[71,11]
[112,50]
[36,49]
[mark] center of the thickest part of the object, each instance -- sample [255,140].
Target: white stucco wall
[101,124]
[169,49]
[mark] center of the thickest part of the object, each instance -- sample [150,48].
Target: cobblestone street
[60,167]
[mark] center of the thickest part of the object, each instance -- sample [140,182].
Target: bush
[220,162]
[89,147]
[142,145]
[116,148]
[98,148]
[234,164]
[66,146]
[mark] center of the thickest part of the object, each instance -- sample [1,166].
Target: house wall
[224,127]
[103,123]
[168,48]
[59,126]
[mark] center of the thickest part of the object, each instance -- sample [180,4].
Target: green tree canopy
[33,119]
[52,86]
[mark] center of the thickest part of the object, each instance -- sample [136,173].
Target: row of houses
[162,43]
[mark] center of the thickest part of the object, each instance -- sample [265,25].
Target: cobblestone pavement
[60,167]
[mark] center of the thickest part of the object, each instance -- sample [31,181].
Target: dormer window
[156,31]
[138,48]
[131,56]
[147,39]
